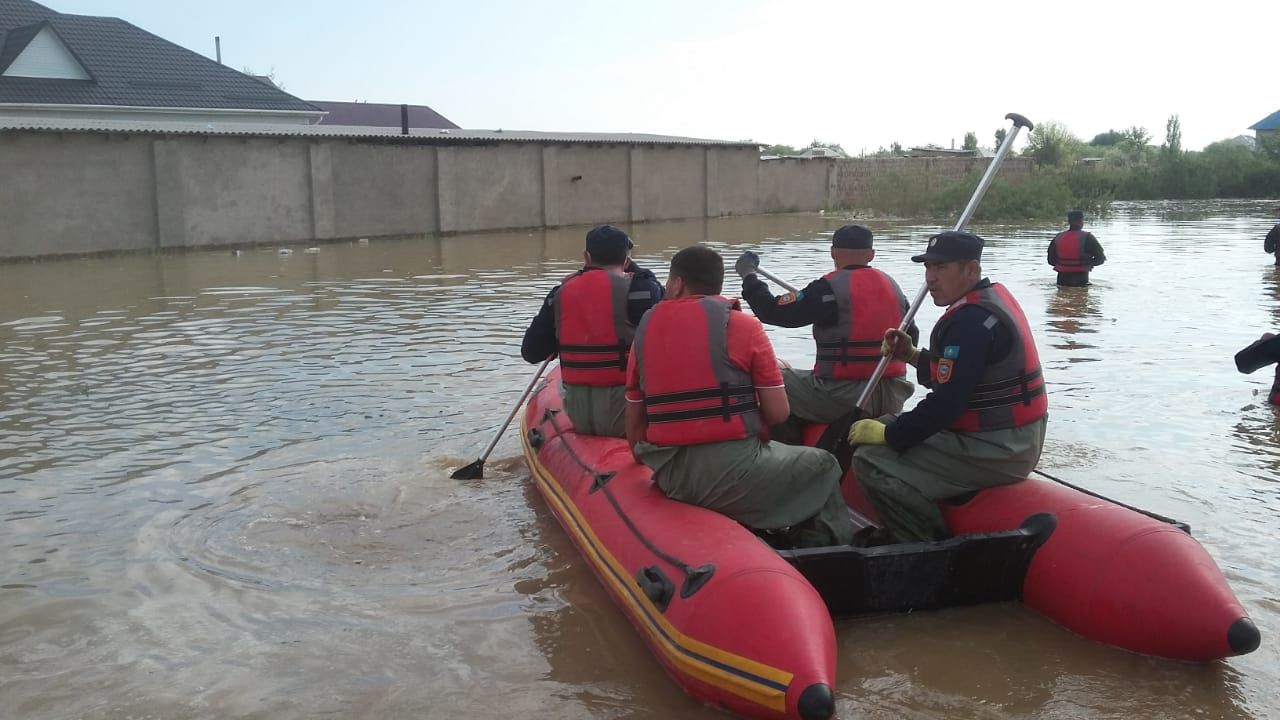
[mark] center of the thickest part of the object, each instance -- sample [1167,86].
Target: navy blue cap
[1075,214]
[852,237]
[603,238]
[951,245]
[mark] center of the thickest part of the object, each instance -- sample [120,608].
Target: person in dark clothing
[849,309]
[982,423]
[1262,352]
[589,320]
[1271,243]
[1074,252]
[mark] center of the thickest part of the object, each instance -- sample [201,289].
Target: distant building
[380,115]
[55,66]
[930,151]
[1267,127]
[820,152]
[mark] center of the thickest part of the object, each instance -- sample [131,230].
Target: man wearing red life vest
[589,320]
[849,309]
[1074,252]
[982,423]
[702,384]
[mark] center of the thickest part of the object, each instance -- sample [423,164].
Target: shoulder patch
[951,352]
[790,297]
[944,370]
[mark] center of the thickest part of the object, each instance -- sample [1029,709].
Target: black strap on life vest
[996,394]
[726,409]
[843,346]
[620,361]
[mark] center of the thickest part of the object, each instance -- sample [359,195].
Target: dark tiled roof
[131,67]
[16,13]
[380,115]
[1270,122]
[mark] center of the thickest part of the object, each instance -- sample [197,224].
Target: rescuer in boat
[590,319]
[1074,252]
[849,309]
[702,384]
[1271,243]
[982,423]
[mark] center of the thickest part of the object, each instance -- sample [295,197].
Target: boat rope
[602,484]
[1184,527]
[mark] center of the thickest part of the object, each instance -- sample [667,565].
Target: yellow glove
[897,345]
[867,432]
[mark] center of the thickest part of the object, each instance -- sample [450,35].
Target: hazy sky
[863,74]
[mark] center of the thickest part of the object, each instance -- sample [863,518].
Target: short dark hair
[701,269]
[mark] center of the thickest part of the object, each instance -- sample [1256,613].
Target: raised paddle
[476,469]
[1019,122]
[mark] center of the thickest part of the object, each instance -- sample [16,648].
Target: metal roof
[1270,122]
[416,136]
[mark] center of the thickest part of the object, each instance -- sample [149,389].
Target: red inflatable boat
[746,627]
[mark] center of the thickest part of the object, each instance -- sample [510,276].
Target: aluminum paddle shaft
[1019,122]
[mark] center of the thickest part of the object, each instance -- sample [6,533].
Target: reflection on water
[224,482]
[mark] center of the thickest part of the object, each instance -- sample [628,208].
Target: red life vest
[593,331]
[867,303]
[692,393]
[1070,252]
[1011,393]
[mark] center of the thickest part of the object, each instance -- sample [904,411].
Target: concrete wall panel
[384,190]
[732,183]
[787,185]
[490,188]
[668,183]
[589,184]
[244,191]
[75,193]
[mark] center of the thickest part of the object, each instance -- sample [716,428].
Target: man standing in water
[702,383]
[1272,242]
[982,423]
[849,309]
[590,319]
[1074,252]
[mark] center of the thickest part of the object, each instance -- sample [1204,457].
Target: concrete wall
[370,180]
[84,192]
[787,184]
[75,194]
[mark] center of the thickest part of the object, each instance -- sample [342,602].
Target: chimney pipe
[217,47]
[404,119]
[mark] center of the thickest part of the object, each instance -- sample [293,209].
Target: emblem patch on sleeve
[789,298]
[945,366]
[951,352]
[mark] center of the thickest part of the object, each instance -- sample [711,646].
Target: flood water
[225,493]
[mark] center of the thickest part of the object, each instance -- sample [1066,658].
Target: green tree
[970,141]
[1107,139]
[778,150]
[1136,135]
[1001,134]
[1172,137]
[896,148]
[1052,145]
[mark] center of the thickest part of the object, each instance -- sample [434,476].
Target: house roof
[130,67]
[416,136]
[1270,122]
[379,115]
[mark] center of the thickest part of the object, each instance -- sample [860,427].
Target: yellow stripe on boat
[746,678]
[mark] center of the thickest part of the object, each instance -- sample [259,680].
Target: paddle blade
[474,471]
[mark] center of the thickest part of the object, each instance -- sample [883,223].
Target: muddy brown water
[225,493]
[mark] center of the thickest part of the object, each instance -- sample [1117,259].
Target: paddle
[1019,122]
[476,469]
